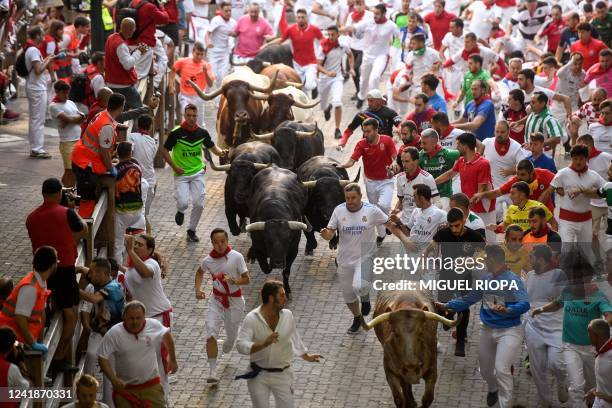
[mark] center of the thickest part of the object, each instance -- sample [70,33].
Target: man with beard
[436,160]
[539,232]
[410,138]
[446,132]
[479,114]
[422,113]
[267,325]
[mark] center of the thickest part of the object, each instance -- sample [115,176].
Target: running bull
[296,142]
[406,326]
[277,203]
[272,54]
[284,104]
[246,161]
[325,183]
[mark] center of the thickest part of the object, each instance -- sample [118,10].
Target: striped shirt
[544,123]
[529,25]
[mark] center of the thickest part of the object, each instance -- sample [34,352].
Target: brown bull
[279,109]
[287,76]
[406,327]
[239,110]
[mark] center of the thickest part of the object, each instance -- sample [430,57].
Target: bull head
[218,91]
[428,315]
[261,226]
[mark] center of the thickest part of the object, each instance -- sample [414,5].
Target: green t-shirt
[401,21]
[440,163]
[468,78]
[186,147]
[578,313]
[604,28]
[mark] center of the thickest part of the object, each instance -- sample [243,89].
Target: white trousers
[488,218]
[580,367]
[186,187]
[372,69]
[544,357]
[160,364]
[355,280]
[497,350]
[230,318]
[330,91]
[199,26]
[278,384]
[308,74]
[123,220]
[37,105]
[91,361]
[219,60]
[185,100]
[380,193]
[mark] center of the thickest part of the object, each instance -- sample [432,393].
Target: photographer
[10,375]
[59,227]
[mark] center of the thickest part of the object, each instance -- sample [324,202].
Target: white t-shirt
[148,290]
[600,164]
[450,141]
[323,22]
[15,379]
[422,64]
[505,162]
[569,180]
[480,24]
[405,190]
[357,231]
[144,150]
[232,265]
[536,88]
[377,37]
[333,59]
[135,356]
[72,131]
[474,222]
[359,43]
[423,224]
[35,82]
[488,57]
[540,289]
[602,135]
[603,373]
[452,43]
[220,30]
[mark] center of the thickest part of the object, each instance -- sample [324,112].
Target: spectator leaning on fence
[24,310]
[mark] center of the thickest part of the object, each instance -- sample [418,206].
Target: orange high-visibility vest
[86,151]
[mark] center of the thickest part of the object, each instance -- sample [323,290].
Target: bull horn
[296,225]
[263,137]
[307,134]
[344,183]
[266,63]
[309,184]
[238,64]
[261,166]
[297,85]
[256,226]
[258,97]
[306,105]
[202,94]
[357,176]
[269,88]
[443,320]
[376,321]
[222,167]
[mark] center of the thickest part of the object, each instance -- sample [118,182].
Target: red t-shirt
[541,181]
[302,43]
[423,119]
[517,134]
[376,157]
[589,51]
[473,174]
[439,26]
[553,32]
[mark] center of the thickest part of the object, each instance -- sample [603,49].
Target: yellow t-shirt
[518,260]
[520,216]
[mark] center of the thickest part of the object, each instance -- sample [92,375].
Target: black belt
[255,370]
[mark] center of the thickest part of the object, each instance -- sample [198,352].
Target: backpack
[20,64]
[80,88]
[126,8]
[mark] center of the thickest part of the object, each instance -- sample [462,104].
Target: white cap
[375,94]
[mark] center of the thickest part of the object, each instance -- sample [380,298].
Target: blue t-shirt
[485,109]
[437,103]
[543,162]
[108,312]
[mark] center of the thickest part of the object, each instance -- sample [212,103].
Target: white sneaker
[172,378]
[212,378]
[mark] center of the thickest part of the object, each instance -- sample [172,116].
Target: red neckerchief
[135,333]
[605,348]
[594,153]
[500,33]
[383,21]
[448,131]
[435,151]
[481,99]
[601,121]
[216,255]
[414,175]
[57,100]
[509,77]
[488,5]
[502,148]
[185,126]
[356,16]
[143,132]
[327,45]
[28,44]
[545,231]
[465,54]
[415,143]
[580,172]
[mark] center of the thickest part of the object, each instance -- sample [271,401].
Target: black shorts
[171,30]
[64,287]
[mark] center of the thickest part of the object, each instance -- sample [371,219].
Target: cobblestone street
[351,373]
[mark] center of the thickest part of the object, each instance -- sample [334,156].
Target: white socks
[212,365]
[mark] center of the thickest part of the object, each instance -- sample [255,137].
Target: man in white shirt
[325,13]
[218,42]
[270,337]
[134,345]
[198,10]
[68,120]
[226,305]
[145,149]
[481,15]
[358,44]
[36,92]
[422,60]
[356,224]
[452,43]
[602,129]
[599,334]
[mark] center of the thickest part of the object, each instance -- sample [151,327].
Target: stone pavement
[350,375]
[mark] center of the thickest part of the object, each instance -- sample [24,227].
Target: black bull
[246,161]
[406,327]
[277,202]
[272,54]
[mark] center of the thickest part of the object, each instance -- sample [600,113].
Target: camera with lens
[69,195]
